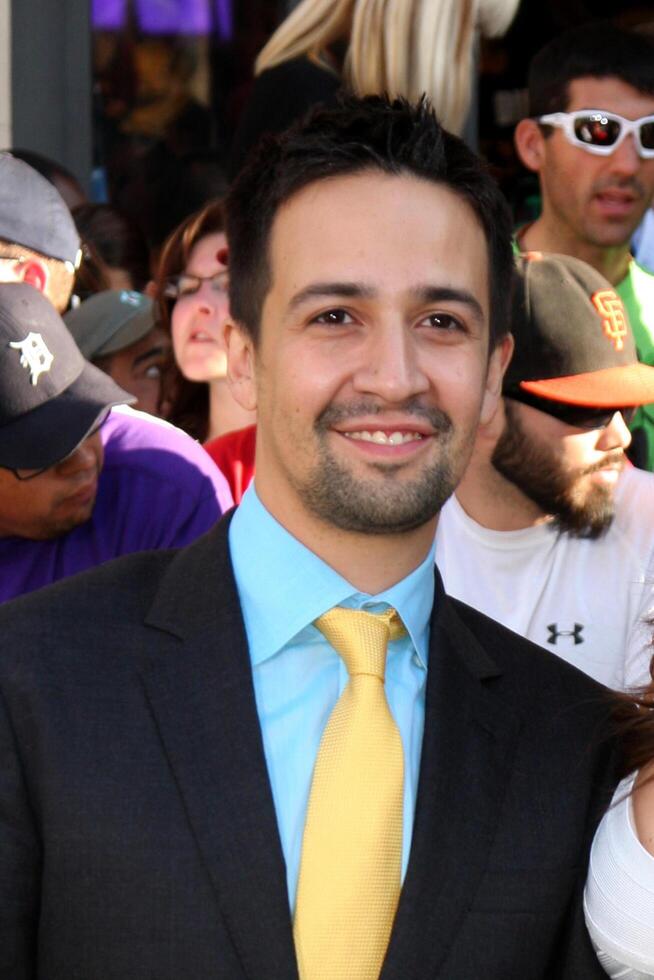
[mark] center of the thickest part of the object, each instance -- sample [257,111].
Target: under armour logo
[614,320]
[34,355]
[556,633]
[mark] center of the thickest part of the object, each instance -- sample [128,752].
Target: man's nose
[391,366]
[616,435]
[207,299]
[625,158]
[82,458]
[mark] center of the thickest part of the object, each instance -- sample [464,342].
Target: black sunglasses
[577,416]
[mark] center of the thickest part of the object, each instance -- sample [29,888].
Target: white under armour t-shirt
[585,600]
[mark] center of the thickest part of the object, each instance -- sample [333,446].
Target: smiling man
[283,752]
[590,139]
[549,532]
[374,439]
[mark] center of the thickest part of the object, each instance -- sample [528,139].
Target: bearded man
[550,531]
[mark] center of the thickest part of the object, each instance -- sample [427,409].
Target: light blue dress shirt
[298,676]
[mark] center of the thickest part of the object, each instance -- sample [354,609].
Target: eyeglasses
[577,416]
[602,132]
[186,285]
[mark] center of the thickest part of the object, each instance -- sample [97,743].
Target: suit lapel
[468,746]
[199,684]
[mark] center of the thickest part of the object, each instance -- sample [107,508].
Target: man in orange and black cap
[551,531]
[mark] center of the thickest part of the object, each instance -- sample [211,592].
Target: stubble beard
[391,505]
[533,468]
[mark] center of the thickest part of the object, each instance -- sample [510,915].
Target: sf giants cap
[33,213]
[50,397]
[110,321]
[573,342]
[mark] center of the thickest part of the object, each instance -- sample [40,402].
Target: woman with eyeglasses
[191,291]
[619,897]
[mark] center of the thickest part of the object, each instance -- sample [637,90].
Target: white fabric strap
[619,896]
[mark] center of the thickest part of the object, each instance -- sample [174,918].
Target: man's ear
[36,274]
[241,374]
[498,362]
[530,144]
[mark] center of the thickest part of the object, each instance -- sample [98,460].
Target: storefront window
[170,79]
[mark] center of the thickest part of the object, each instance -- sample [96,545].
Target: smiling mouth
[381,438]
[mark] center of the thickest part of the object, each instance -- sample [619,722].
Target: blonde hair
[401,47]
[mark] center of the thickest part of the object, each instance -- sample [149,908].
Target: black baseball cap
[573,342]
[50,397]
[110,321]
[34,214]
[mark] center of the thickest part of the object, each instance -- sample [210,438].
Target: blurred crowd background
[159,88]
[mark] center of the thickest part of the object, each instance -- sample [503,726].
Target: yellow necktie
[349,882]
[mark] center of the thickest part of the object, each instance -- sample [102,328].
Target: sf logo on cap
[34,355]
[614,321]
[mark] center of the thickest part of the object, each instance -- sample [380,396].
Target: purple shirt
[158,489]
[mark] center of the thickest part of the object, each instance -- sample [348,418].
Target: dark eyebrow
[355,290]
[148,354]
[447,294]
[349,290]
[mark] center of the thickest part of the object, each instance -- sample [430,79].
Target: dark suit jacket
[138,838]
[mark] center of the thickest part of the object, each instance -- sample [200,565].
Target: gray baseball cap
[110,321]
[33,213]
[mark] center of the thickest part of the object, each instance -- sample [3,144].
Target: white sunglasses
[602,132]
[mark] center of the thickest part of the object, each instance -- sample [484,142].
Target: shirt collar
[283,586]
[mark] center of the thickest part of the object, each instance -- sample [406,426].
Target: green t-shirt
[637,293]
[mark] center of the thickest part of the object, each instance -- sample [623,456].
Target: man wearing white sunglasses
[590,139]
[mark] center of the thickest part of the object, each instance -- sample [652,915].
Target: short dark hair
[116,240]
[360,134]
[599,50]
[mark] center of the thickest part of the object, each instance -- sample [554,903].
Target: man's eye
[443,321]
[335,318]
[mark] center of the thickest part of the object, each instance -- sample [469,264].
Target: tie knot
[361,638]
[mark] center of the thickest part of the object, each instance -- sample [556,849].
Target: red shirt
[233,453]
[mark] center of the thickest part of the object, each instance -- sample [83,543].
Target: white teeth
[381,439]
